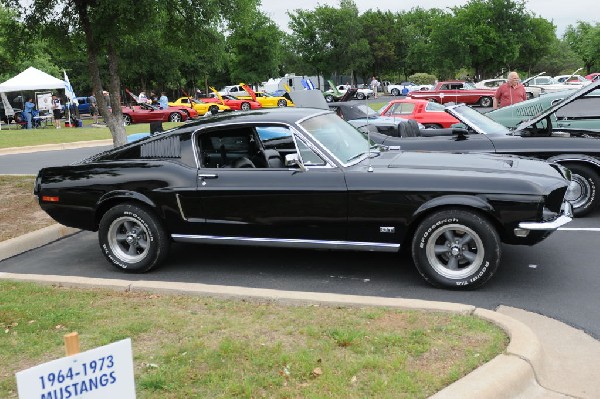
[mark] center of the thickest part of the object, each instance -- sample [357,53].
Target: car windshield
[477,121]
[340,138]
[366,110]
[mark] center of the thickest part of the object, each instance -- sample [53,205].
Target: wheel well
[112,202]
[410,232]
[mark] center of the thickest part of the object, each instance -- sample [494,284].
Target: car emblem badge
[384,229]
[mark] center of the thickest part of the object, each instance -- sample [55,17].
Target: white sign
[104,372]
[44,101]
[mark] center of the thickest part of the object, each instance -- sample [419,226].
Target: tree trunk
[113,119]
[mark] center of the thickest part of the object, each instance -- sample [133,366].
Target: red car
[145,113]
[593,76]
[429,114]
[456,92]
[232,102]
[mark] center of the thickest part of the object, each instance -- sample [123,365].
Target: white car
[402,89]
[531,91]
[235,90]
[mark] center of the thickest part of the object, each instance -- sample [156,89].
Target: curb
[508,375]
[35,239]
[54,147]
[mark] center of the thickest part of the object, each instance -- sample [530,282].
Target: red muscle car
[456,92]
[232,102]
[145,113]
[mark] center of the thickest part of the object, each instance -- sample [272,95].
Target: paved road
[31,163]
[558,278]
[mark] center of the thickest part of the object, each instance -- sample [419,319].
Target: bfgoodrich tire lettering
[456,249]
[132,238]
[584,195]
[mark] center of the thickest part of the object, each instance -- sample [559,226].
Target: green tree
[255,49]
[484,35]
[584,39]
[535,45]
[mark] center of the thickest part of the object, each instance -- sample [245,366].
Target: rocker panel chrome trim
[288,242]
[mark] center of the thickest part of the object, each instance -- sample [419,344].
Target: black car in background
[305,178]
[575,148]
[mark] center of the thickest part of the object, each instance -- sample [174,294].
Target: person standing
[28,111]
[511,92]
[93,107]
[374,86]
[56,110]
[142,98]
[163,101]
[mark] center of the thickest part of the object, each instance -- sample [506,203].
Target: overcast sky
[559,12]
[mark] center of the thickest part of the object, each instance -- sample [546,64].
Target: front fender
[470,201]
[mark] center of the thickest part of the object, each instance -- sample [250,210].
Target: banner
[69,90]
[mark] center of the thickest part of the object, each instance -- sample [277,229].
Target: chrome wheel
[245,106]
[579,191]
[128,239]
[455,251]
[175,117]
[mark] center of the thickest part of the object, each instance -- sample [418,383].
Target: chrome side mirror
[293,161]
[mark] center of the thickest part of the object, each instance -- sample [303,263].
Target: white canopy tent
[31,79]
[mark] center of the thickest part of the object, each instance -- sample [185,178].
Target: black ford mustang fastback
[306,178]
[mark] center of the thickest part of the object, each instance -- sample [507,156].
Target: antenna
[370,168]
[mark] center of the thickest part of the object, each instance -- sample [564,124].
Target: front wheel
[126,120]
[583,192]
[360,96]
[395,92]
[282,103]
[329,98]
[245,106]
[485,102]
[132,238]
[456,249]
[175,117]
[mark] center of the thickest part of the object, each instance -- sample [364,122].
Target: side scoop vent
[169,147]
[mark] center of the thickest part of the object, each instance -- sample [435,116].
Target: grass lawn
[50,135]
[200,347]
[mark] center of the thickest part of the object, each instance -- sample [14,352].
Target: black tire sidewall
[485,102]
[157,238]
[472,220]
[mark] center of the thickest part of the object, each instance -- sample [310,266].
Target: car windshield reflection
[477,121]
[340,138]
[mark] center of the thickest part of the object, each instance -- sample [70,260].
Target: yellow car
[265,99]
[200,106]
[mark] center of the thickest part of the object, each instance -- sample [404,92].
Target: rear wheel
[485,102]
[282,103]
[456,249]
[175,117]
[329,98]
[583,192]
[245,106]
[126,120]
[132,238]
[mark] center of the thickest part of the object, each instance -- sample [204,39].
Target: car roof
[282,115]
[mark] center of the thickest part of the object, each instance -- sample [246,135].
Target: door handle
[207,175]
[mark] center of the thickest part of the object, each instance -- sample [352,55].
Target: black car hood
[489,166]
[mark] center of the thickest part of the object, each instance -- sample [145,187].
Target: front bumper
[565,217]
